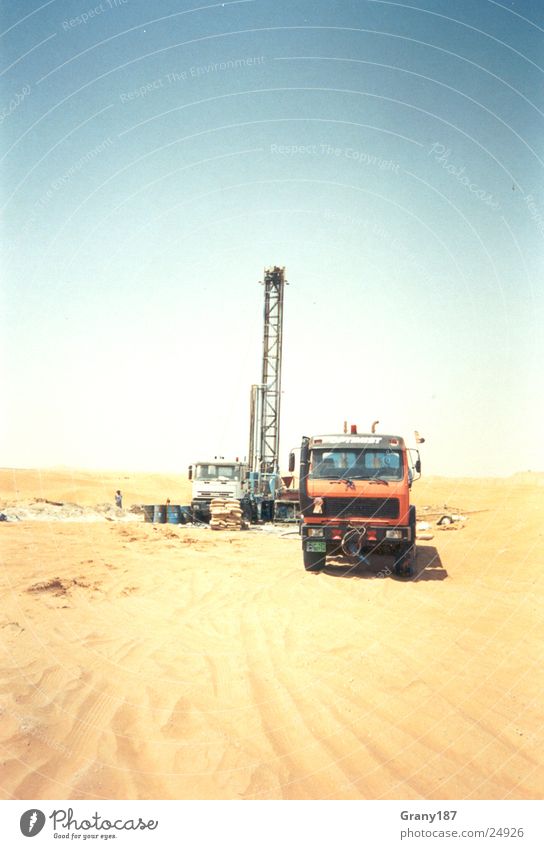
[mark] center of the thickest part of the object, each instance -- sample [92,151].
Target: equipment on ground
[218,478]
[355,498]
[256,482]
[265,402]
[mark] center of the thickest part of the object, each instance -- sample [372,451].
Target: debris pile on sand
[424,531]
[450,520]
[226,515]
[41,509]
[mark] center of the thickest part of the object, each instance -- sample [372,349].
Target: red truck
[355,498]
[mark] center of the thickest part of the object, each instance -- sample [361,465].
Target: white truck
[218,478]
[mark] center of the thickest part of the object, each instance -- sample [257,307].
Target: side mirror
[292,461]
[190,473]
[418,466]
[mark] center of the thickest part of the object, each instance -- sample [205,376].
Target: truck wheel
[314,561]
[411,551]
[404,570]
[404,563]
[413,526]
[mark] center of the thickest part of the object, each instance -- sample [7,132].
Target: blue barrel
[173,514]
[149,511]
[159,513]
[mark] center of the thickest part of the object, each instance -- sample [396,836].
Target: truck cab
[355,498]
[217,478]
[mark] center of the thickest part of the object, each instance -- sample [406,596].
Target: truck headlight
[315,532]
[393,534]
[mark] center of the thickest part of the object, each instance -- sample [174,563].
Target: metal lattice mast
[269,439]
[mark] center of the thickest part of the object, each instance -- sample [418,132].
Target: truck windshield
[210,471]
[353,464]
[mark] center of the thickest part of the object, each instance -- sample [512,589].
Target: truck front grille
[368,508]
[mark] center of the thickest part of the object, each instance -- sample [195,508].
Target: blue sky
[155,157]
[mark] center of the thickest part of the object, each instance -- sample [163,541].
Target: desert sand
[174,662]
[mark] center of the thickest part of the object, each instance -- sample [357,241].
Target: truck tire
[405,562]
[413,525]
[413,547]
[314,561]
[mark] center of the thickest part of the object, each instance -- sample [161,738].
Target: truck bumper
[372,536]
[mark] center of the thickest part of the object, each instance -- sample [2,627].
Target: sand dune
[89,488]
[172,662]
